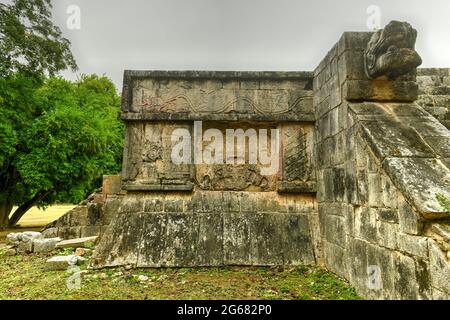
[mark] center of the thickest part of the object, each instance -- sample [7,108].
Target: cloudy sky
[234,34]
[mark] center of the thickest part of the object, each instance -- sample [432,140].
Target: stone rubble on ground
[37,242]
[45,245]
[16,238]
[81,251]
[23,241]
[63,262]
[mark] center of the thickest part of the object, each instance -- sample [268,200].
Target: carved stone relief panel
[238,166]
[203,96]
[150,164]
[297,173]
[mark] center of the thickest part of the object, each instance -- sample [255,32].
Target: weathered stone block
[366,224]
[22,237]
[387,234]
[248,202]
[266,238]
[434,178]
[423,279]
[210,249]
[335,230]
[153,205]
[78,216]
[94,214]
[152,246]
[250,85]
[181,240]
[63,262]
[389,193]
[406,284]
[236,238]
[380,273]
[440,295]
[388,215]
[69,232]
[173,205]
[410,222]
[388,138]
[335,258]
[76,243]
[45,245]
[440,145]
[374,188]
[413,245]
[296,239]
[25,246]
[50,233]
[316,238]
[110,209]
[357,263]
[89,231]
[231,202]
[111,184]
[439,268]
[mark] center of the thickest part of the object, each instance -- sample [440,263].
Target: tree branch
[20,211]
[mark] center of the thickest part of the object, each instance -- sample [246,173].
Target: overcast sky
[234,34]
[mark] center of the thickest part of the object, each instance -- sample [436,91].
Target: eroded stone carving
[153,152]
[390,52]
[174,97]
[236,177]
[296,156]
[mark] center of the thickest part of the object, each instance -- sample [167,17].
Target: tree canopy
[29,41]
[56,139]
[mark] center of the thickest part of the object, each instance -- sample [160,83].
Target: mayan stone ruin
[362,148]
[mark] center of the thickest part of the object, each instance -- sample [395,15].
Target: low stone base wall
[92,216]
[210,228]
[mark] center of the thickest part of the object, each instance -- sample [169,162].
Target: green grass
[25,277]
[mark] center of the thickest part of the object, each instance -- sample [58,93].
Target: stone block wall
[209,228]
[380,159]
[434,93]
[221,213]
[93,215]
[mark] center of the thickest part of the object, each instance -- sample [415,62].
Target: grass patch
[25,277]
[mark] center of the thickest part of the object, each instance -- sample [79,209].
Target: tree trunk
[20,211]
[5,210]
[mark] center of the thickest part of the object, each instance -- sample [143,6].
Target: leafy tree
[29,42]
[61,154]
[56,137]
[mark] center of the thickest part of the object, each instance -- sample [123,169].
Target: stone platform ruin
[364,150]
[214,214]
